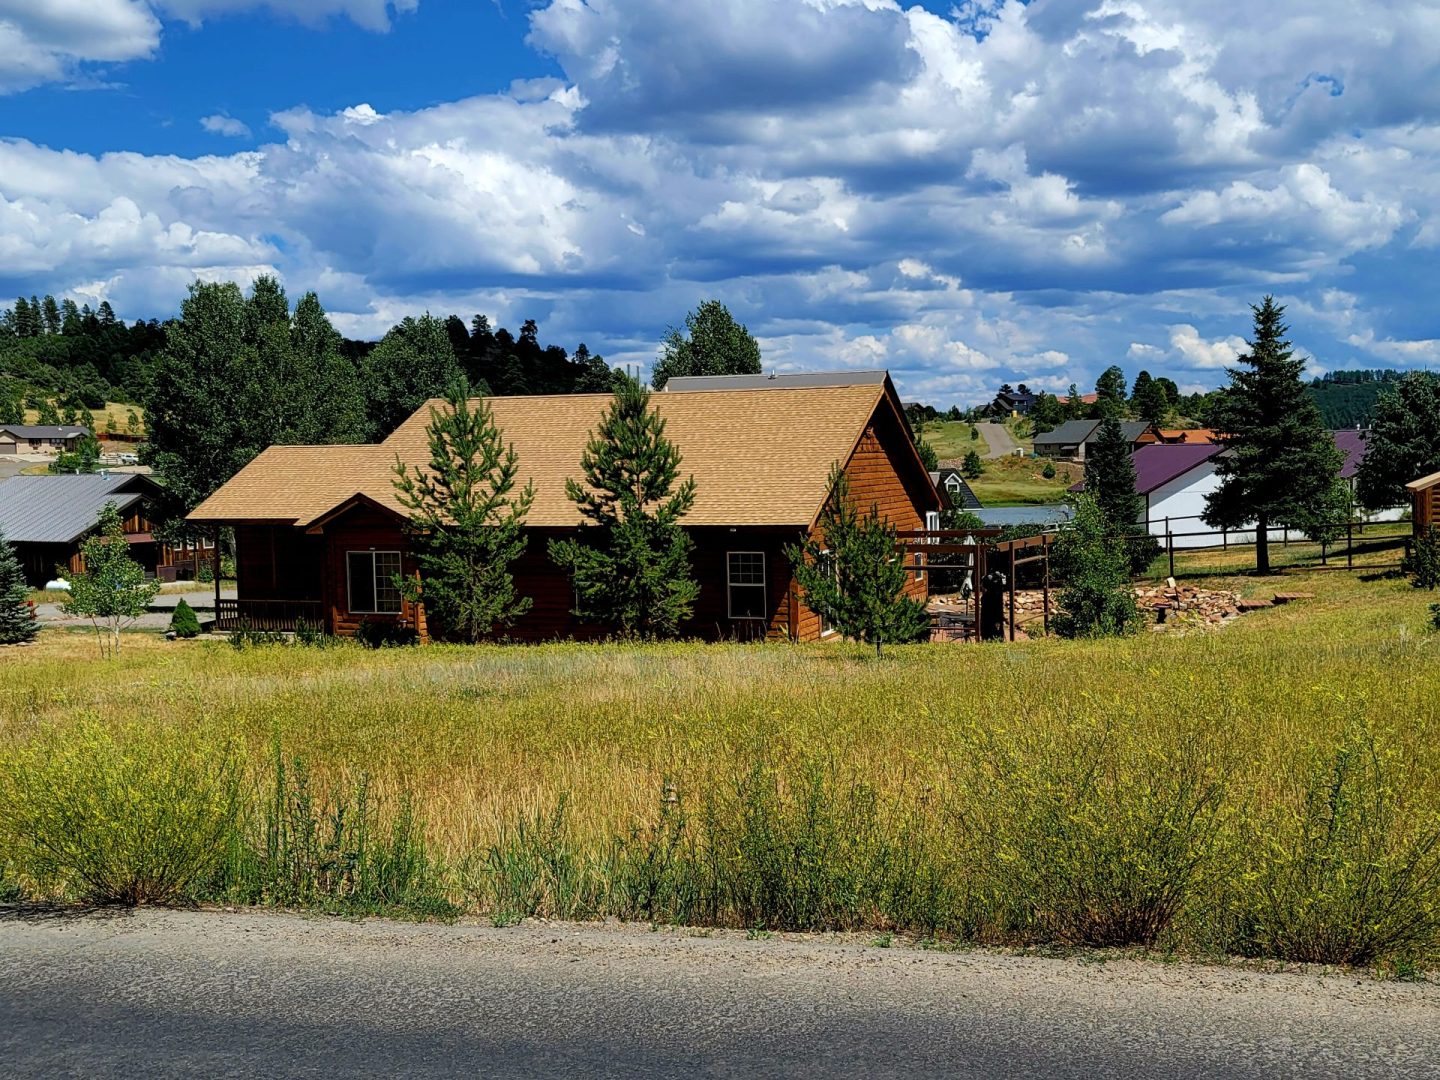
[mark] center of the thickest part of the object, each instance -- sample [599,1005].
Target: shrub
[245,636]
[1351,874]
[305,850]
[145,818]
[383,634]
[1092,839]
[1422,560]
[184,624]
[1097,599]
[1048,471]
[17,615]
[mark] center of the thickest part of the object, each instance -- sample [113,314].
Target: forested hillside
[1347,398]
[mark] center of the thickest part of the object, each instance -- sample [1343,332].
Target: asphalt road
[221,995]
[998,438]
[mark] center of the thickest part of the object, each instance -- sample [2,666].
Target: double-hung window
[830,567]
[745,584]
[372,586]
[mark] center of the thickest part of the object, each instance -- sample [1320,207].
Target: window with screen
[745,583]
[372,574]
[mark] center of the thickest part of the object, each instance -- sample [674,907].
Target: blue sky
[965,193]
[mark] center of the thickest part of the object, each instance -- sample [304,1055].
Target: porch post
[215,569]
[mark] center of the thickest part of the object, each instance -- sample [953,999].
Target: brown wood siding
[276,562]
[1426,510]
[364,529]
[877,474]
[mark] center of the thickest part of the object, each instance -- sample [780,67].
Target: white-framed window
[932,520]
[370,577]
[745,584]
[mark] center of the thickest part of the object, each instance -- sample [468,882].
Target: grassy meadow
[1269,789]
[951,439]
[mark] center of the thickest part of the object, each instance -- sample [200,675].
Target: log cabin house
[1425,502]
[47,518]
[320,536]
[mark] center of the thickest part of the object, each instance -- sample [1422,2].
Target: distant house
[956,492]
[1085,399]
[1425,502]
[320,535]
[1012,403]
[47,518]
[1071,438]
[1185,435]
[40,438]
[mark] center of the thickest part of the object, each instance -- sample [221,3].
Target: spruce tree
[971,467]
[852,577]
[183,623]
[466,522]
[17,622]
[1110,481]
[631,564]
[1281,464]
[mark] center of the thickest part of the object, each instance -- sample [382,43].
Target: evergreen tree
[85,458]
[183,623]
[112,592]
[972,466]
[47,413]
[11,411]
[17,619]
[1403,443]
[1047,413]
[50,315]
[466,522]
[70,324]
[1096,600]
[1282,465]
[1110,392]
[713,344]
[631,564]
[1148,398]
[27,318]
[852,577]
[1074,406]
[1110,480]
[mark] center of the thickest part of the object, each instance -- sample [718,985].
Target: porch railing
[282,615]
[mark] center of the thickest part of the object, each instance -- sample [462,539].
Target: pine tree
[631,565]
[17,620]
[183,623]
[466,522]
[50,315]
[1110,481]
[1148,398]
[852,575]
[1282,465]
[713,344]
[972,466]
[11,411]
[1074,407]
[1097,600]
[47,413]
[1110,392]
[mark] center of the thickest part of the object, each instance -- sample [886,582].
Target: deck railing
[282,615]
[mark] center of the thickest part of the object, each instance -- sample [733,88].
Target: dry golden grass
[484,735]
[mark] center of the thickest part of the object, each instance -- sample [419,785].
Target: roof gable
[759,456]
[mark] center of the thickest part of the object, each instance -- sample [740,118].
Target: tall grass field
[1270,789]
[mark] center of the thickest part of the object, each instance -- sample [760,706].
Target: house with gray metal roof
[47,518]
[957,492]
[1070,439]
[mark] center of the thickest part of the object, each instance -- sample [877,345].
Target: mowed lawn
[951,439]
[483,736]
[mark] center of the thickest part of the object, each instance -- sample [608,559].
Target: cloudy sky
[965,192]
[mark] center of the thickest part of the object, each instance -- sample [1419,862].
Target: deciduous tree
[112,591]
[413,363]
[713,343]
[466,522]
[631,563]
[1403,443]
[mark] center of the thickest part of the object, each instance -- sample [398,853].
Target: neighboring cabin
[40,438]
[1425,502]
[955,490]
[1070,439]
[47,518]
[320,535]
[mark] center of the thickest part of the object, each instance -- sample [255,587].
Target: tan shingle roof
[759,457]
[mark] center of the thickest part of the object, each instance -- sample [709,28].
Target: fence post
[1012,594]
[1224,538]
[1170,546]
[1350,543]
[1045,585]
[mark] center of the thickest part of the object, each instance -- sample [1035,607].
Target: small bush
[142,819]
[385,634]
[244,636]
[1422,560]
[1350,875]
[1097,599]
[183,623]
[1048,471]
